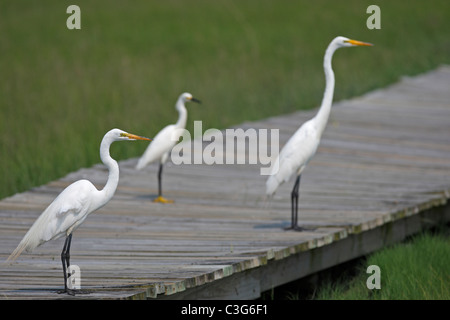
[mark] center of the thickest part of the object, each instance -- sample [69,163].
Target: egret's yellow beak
[134,137]
[358,43]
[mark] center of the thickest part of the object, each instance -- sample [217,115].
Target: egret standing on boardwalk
[73,205]
[164,141]
[302,146]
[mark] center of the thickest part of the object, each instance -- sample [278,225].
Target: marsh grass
[61,90]
[416,270]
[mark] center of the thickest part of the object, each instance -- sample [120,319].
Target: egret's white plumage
[162,144]
[72,206]
[61,217]
[294,156]
[165,140]
[302,146]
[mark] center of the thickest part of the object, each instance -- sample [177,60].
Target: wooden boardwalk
[382,172]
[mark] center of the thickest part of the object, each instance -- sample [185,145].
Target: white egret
[72,206]
[302,146]
[164,141]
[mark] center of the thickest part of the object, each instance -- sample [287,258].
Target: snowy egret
[72,206]
[164,141]
[302,146]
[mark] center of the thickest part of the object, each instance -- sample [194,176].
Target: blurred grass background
[61,90]
[415,270]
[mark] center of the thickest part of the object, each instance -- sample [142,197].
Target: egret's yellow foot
[161,199]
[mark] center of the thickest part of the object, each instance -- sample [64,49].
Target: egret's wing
[294,156]
[163,142]
[67,211]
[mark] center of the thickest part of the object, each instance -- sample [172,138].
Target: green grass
[417,270]
[61,90]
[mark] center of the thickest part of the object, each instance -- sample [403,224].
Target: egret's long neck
[324,111]
[182,114]
[113,177]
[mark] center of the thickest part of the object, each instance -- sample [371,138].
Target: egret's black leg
[65,259]
[294,199]
[159,180]
[296,195]
[69,237]
[294,205]
[160,198]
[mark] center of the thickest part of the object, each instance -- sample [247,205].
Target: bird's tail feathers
[30,241]
[139,165]
[143,162]
[23,245]
[272,185]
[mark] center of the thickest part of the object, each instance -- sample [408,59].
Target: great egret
[164,141]
[72,206]
[302,146]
